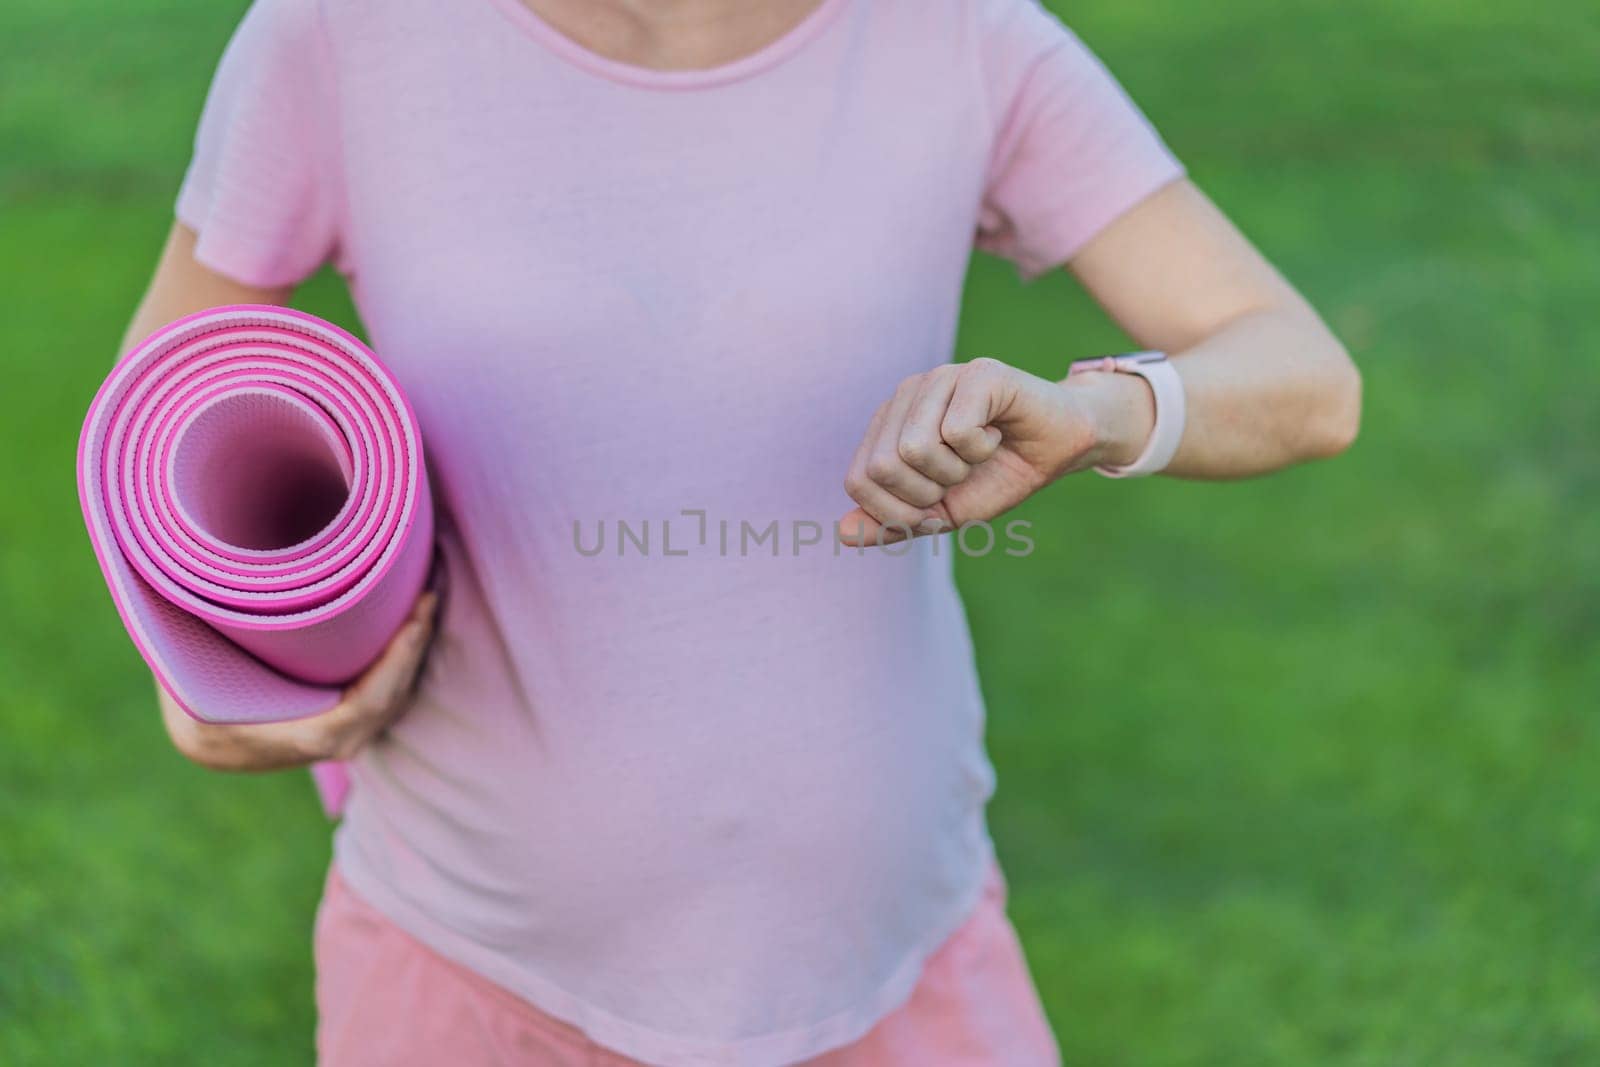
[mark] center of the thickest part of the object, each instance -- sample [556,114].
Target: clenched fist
[967,442]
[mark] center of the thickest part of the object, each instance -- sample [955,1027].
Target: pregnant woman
[716,800]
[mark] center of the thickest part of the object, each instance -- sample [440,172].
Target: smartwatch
[1155,368]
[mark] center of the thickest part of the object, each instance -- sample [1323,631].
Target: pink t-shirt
[713,792]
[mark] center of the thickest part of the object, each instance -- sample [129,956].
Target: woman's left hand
[967,442]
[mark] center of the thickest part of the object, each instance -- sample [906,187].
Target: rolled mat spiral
[253,483]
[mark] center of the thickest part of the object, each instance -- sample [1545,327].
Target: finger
[921,446]
[979,394]
[886,469]
[885,508]
[860,530]
[882,505]
[857,470]
[386,682]
[425,608]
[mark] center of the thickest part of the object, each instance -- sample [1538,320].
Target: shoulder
[996,34]
[1004,39]
[1003,17]
[277,35]
[277,51]
[289,19]
[1009,27]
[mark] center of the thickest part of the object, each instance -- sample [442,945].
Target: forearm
[1266,384]
[263,747]
[1269,389]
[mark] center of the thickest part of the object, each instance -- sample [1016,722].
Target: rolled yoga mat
[253,483]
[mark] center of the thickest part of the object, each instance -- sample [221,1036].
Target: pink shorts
[385,999]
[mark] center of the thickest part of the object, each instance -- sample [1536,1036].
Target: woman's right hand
[370,705]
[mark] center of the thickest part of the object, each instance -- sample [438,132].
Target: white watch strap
[1167,433]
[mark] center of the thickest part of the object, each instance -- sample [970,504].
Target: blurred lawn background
[1299,772]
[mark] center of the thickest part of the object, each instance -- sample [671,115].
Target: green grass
[1299,771]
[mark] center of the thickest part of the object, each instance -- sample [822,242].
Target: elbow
[1337,419]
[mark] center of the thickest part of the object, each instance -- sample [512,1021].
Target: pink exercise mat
[253,483]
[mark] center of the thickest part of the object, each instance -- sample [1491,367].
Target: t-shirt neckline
[769,55]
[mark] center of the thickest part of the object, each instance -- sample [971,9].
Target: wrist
[1119,411]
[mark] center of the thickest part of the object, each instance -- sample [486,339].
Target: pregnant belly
[620,756]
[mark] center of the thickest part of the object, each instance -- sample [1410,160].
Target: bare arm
[1265,381]
[1266,384]
[182,286]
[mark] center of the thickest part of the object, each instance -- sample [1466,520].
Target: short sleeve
[261,190]
[1071,153]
